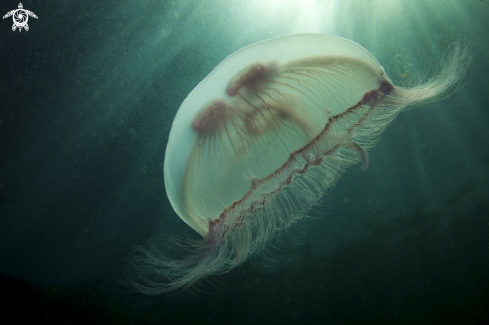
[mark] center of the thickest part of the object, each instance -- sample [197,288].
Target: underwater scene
[244,162]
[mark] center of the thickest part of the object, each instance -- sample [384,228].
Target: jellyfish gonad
[264,136]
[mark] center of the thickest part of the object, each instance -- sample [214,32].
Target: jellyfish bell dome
[200,184]
[264,136]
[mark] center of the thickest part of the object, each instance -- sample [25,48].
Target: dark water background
[88,95]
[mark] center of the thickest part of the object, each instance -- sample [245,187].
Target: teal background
[88,96]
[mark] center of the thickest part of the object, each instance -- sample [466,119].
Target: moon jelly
[264,136]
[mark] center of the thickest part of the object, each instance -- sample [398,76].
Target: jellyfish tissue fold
[263,137]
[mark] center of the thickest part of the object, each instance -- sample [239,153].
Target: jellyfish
[263,137]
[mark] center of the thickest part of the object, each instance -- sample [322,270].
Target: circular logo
[20,18]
